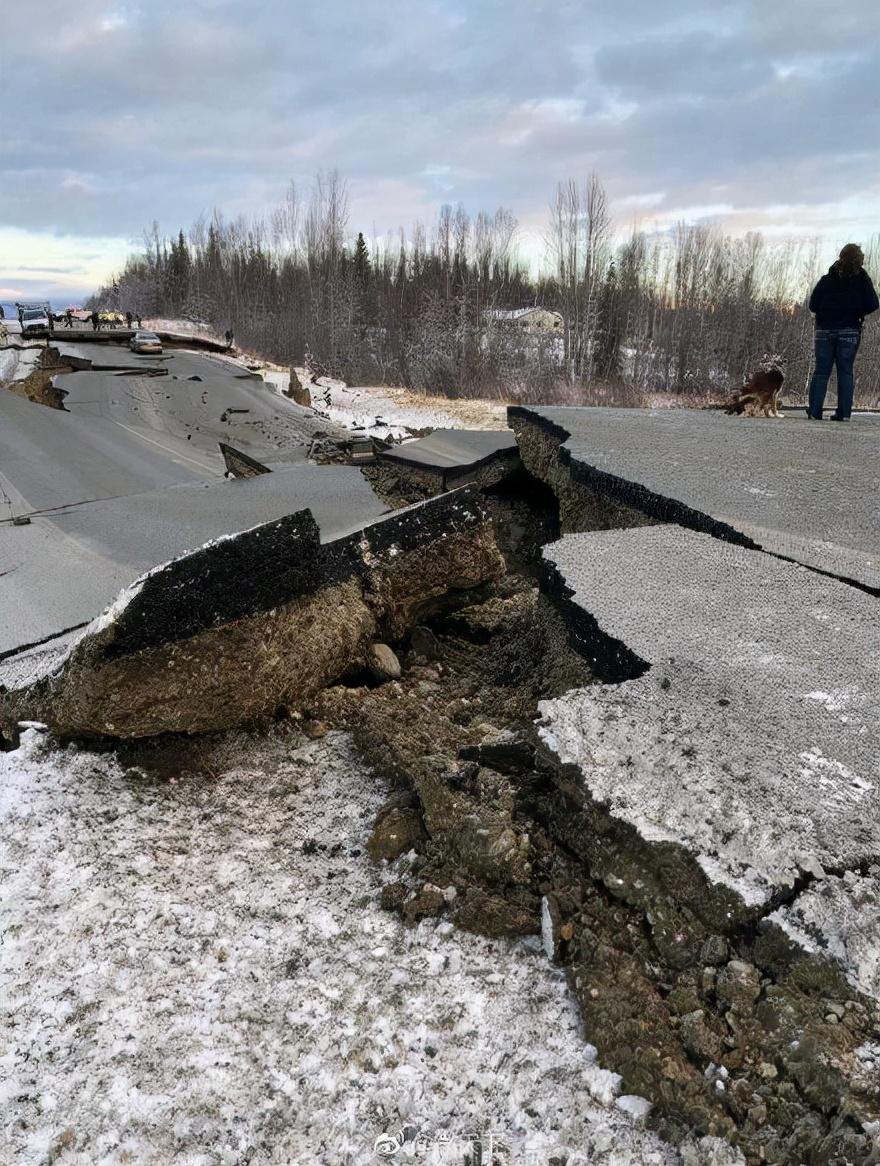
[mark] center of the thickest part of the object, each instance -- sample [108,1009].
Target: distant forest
[687,313]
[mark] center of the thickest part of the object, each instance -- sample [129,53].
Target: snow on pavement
[18,363]
[196,970]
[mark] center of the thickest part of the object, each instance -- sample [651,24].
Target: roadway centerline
[171,452]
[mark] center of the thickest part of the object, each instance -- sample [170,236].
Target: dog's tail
[738,404]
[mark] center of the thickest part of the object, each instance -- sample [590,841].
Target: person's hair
[851,259]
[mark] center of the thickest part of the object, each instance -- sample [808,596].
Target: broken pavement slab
[96,357]
[803,491]
[722,794]
[746,736]
[198,401]
[448,458]
[256,622]
[90,458]
[65,567]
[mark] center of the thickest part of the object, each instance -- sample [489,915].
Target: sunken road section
[256,622]
[68,565]
[448,458]
[720,786]
[751,739]
[724,786]
[798,489]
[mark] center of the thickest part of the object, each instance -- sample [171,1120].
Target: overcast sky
[759,113]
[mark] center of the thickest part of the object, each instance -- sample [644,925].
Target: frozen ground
[394,412]
[18,363]
[181,327]
[195,970]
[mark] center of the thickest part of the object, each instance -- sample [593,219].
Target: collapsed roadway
[693,822]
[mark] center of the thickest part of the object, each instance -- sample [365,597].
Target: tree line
[683,313]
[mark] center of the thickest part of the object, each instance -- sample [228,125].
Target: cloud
[129,112]
[38,264]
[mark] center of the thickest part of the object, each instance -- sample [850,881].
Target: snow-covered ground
[181,327]
[17,363]
[196,970]
[391,412]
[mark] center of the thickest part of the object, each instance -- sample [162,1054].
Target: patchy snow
[636,1107]
[393,412]
[384,412]
[182,328]
[18,363]
[196,970]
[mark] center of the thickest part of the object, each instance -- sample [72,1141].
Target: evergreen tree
[361,260]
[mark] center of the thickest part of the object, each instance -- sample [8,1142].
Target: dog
[759,397]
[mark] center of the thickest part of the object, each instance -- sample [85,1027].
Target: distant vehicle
[145,342]
[33,320]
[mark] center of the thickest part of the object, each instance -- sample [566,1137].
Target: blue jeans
[834,346]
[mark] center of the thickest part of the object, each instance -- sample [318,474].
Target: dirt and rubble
[730,1027]
[39,384]
[726,1033]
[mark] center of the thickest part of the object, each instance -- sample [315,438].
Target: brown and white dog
[759,397]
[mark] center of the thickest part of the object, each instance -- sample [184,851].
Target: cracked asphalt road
[94,481]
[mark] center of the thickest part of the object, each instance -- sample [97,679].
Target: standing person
[230,338]
[840,300]
[128,319]
[138,320]
[96,321]
[68,319]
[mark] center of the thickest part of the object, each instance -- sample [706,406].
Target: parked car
[145,342]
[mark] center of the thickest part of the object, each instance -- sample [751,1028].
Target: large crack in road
[700,849]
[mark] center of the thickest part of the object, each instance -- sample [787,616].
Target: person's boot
[813,416]
[837,417]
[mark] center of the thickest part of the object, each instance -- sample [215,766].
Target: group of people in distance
[96,320]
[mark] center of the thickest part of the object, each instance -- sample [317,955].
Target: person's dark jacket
[843,301]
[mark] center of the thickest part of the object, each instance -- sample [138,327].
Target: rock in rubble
[427,902]
[424,643]
[314,730]
[739,985]
[505,915]
[398,829]
[383,663]
[298,389]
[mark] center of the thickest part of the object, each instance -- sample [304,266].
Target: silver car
[145,342]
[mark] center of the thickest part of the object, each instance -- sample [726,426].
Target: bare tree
[686,313]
